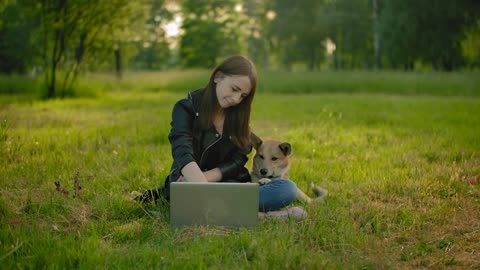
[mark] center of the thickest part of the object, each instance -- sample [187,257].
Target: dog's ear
[256,141]
[286,148]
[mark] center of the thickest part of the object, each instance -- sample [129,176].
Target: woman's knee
[277,194]
[289,189]
[285,189]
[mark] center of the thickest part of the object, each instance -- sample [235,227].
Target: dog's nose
[263,171]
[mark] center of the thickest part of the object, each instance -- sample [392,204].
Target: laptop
[213,204]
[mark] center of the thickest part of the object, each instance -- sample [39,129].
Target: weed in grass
[443,244]
[4,130]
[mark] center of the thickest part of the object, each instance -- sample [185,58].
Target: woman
[210,137]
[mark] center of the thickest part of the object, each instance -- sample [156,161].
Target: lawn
[399,154]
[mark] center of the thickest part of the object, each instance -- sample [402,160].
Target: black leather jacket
[207,148]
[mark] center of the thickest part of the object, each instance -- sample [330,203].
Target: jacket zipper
[206,149]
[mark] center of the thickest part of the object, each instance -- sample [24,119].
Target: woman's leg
[277,194]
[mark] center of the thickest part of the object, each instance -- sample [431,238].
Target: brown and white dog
[271,162]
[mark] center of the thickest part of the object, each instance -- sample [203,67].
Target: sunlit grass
[401,169]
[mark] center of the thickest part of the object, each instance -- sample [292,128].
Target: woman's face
[231,89]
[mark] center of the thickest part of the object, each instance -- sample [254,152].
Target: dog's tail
[321,193]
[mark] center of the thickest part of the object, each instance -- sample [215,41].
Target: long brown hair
[237,118]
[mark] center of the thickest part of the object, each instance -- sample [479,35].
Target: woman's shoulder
[192,100]
[196,94]
[191,96]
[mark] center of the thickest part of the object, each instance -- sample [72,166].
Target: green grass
[386,82]
[401,167]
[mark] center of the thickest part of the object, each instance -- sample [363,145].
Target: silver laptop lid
[214,204]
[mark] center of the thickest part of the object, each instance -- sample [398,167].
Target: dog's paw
[264,181]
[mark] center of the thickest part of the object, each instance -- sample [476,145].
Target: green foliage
[350,27]
[300,31]
[257,26]
[399,166]
[427,31]
[152,48]
[211,32]
[73,31]
[18,52]
[73,36]
[471,45]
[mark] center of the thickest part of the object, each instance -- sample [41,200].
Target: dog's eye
[274,158]
[261,156]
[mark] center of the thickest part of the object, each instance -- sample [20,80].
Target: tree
[299,30]
[441,24]
[430,31]
[17,24]
[471,45]
[399,28]
[211,30]
[376,33]
[73,30]
[151,44]
[351,28]
[259,15]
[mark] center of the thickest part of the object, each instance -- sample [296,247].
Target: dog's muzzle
[263,173]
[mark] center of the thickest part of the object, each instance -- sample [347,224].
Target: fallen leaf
[473,180]
[76,184]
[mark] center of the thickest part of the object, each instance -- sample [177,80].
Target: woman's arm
[231,168]
[181,133]
[192,173]
[213,175]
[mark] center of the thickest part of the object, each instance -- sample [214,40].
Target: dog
[271,162]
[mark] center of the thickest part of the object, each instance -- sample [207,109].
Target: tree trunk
[376,35]
[266,60]
[118,62]
[434,65]
[51,85]
[54,61]
[72,72]
[311,61]
[58,49]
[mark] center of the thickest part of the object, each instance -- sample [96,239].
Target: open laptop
[213,204]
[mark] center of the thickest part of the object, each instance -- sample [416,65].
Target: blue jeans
[275,195]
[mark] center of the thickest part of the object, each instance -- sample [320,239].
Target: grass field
[399,154]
